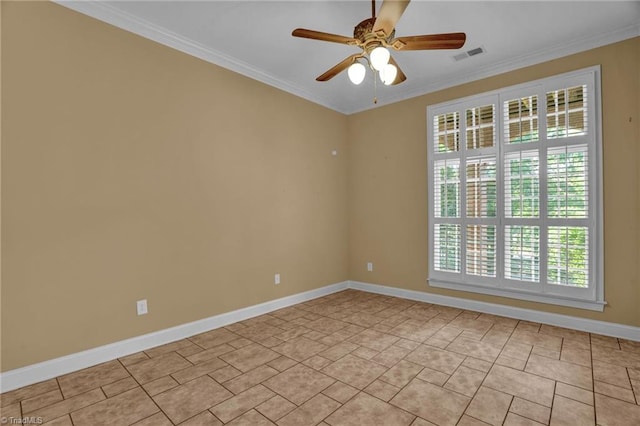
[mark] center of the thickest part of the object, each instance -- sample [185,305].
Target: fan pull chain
[375,89]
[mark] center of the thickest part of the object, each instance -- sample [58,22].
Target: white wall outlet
[141,306]
[334,152]
[369,266]
[276,279]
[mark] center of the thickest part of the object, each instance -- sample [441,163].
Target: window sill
[520,295]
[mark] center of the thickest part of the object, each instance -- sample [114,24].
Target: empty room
[326,212]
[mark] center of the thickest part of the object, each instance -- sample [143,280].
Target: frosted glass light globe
[356,73]
[379,57]
[388,74]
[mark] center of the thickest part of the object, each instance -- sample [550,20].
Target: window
[515,192]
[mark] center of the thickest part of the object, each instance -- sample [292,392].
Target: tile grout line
[310,312]
[593,378]
[146,393]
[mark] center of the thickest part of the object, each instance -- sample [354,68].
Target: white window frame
[592,297]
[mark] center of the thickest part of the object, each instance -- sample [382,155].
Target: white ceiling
[254,38]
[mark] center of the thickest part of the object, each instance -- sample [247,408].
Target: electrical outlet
[369,266]
[276,279]
[141,306]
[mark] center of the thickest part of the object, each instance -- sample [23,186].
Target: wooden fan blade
[429,42]
[400,77]
[337,69]
[390,13]
[318,35]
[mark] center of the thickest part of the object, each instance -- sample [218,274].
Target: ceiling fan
[374,36]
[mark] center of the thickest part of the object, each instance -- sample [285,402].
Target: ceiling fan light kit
[375,36]
[357,71]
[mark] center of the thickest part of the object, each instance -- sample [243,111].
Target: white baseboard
[567,321]
[20,377]
[35,373]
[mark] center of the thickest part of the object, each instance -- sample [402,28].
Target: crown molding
[518,62]
[118,18]
[111,15]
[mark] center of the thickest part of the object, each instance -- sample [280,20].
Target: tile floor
[355,358]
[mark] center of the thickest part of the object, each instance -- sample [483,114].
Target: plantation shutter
[512,192]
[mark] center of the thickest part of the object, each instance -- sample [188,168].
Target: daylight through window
[514,180]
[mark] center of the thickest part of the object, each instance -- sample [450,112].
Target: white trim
[114,16]
[599,189]
[512,64]
[128,22]
[552,299]
[45,370]
[583,324]
[541,291]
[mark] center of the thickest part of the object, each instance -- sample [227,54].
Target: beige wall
[131,170]
[387,183]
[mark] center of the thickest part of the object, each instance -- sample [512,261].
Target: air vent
[469,53]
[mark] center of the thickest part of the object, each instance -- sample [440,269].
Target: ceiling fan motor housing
[369,40]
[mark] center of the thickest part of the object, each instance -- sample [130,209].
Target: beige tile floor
[355,358]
